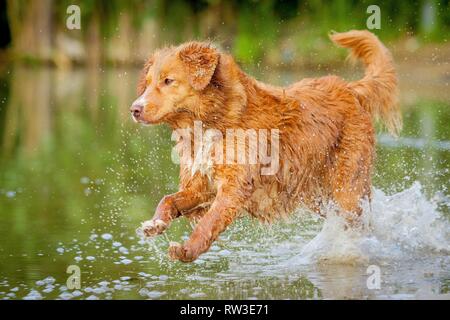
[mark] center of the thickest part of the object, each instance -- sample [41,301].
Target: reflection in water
[77,177]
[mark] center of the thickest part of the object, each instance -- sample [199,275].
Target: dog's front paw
[182,252]
[152,227]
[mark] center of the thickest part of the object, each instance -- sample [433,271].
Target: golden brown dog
[324,132]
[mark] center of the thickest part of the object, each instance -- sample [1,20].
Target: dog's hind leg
[350,176]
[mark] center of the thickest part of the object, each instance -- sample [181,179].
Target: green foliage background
[252,28]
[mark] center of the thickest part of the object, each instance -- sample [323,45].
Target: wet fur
[326,136]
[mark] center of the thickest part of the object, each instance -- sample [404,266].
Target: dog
[325,132]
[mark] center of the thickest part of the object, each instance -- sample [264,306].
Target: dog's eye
[168,81]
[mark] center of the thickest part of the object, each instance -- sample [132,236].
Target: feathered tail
[377,91]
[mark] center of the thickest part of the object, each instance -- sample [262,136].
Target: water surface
[77,178]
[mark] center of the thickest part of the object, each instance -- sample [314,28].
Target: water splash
[397,226]
[405,233]
[394,227]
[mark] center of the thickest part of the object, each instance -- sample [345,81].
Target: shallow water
[77,178]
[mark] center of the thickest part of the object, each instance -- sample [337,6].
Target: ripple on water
[405,226]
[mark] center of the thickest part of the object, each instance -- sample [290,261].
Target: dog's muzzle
[136,111]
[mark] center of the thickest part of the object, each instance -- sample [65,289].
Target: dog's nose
[136,110]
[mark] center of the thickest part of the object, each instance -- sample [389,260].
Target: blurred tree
[117,30]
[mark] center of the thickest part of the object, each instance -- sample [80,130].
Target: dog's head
[174,81]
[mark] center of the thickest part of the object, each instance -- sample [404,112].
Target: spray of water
[397,226]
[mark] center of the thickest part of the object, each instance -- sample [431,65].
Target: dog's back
[328,144]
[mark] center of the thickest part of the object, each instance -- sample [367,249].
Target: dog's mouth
[145,121]
[142,121]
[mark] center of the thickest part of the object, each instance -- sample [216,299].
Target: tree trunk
[31,28]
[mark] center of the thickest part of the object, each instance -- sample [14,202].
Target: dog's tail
[377,91]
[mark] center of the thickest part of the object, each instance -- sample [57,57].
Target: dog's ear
[142,83]
[200,60]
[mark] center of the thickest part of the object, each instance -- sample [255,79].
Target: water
[77,178]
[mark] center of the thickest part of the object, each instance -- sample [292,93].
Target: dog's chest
[198,156]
